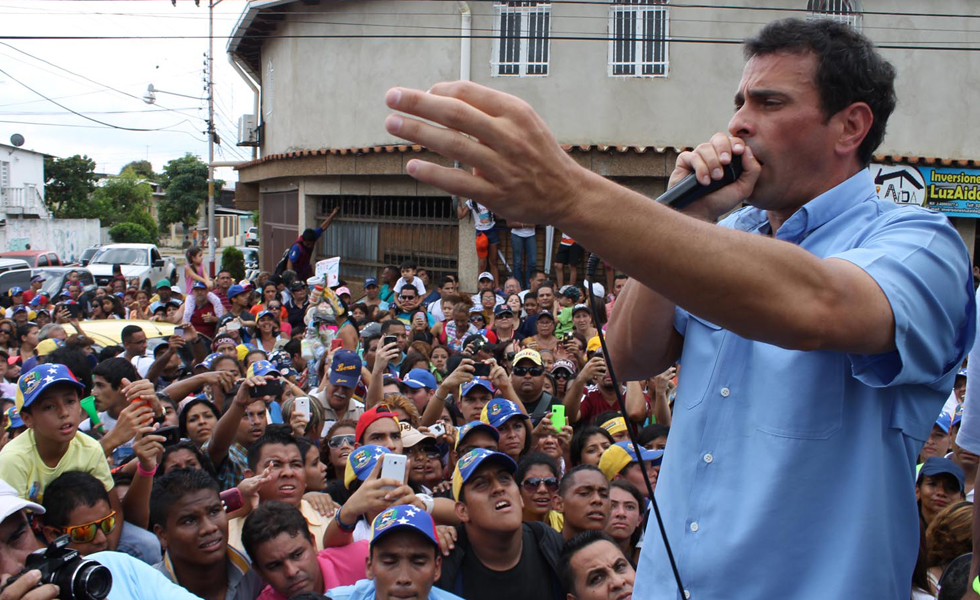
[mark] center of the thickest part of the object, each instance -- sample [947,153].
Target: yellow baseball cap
[530,354]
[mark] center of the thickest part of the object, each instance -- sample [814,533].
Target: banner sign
[329,268]
[900,184]
[953,191]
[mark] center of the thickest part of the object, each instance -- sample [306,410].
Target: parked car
[14,272]
[55,278]
[137,261]
[35,258]
[87,255]
[108,332]
[252,236]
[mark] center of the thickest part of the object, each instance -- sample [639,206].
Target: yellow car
[108,332]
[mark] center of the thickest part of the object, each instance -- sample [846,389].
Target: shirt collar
[815,213]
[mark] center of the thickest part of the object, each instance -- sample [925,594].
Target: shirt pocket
[797,395]
[699,360]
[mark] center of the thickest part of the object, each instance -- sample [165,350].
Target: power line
[75,112]
[76,126]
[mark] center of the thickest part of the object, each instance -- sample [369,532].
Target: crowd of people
[243,456]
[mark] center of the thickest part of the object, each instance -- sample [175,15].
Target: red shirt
[593,404]
[197,320]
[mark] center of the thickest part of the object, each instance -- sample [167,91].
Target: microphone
[690,190]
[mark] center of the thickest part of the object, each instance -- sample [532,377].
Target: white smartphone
[233,326]
[393,467]
[302,405]
[437,429]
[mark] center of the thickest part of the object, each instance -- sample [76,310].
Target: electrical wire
[76,126]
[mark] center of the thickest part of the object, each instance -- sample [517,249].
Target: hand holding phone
[393,467]
[481,370]
[301,405]
[232,499]
[558,417]
[389,339]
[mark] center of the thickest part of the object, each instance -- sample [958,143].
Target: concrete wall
[328,93]
[26,167]
[67,237]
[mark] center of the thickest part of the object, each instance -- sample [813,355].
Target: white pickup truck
[137,261]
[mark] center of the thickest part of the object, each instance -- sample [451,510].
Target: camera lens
[83,580]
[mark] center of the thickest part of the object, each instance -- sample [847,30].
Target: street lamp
[150,97]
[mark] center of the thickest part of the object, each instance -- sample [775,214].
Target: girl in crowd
[537,476]
[197,421]
[626,508]
[949,536]
[588,444]
[309,428]
[194,269]
[420,328]
[334,450]
[267,331]
[488,300]
[316,471]
[440,356]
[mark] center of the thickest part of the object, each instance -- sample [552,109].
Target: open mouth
[501,505]
[211,545]
[287,489]
[596,515]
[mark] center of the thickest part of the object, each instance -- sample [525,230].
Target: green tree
[186,182]
[130,233]
[142,169]
[68,183]
[122,199]
[233,260]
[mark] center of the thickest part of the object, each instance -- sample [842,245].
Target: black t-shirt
[338,493]
[530,579]
[541,406]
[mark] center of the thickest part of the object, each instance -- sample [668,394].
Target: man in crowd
[222,283]
[593,567]
[811,287]
[544,298]
[423,386]
[404,560]
[372,293]
[336,392]
[527,378]
[497,555]
[134,341]
[592,393]
[301,251]
[583,498]
[447,287]
[187,515]
[297,306]
[241,425]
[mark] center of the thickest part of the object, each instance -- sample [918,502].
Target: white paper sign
[330,268]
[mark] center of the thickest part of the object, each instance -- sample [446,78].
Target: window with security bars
[843,11]
[521,39]
[638,31]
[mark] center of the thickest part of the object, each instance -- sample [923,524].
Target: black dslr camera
[77,578]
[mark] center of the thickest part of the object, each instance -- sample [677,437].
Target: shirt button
[687,595]
[708,458]
[725,392]
[694,527]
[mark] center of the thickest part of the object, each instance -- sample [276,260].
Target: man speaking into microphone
[819,329]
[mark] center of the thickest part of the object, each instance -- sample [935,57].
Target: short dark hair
[67,492]
[187,445]
[309,235]
[272,435]
[115,370]
[652,432]
[533,459]
[268,521]
[129,331]
[409,264]
[569,477]
[25,329]
[173,486]
[293,347]
[409,286]
[445,279]
[572,547]
[110,352]
[387,325]
[77,362]
[581,437]
[849,69]
[621,276]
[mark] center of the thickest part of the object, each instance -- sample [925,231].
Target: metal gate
[371,232]
[280,223]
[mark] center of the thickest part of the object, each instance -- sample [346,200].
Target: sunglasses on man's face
[338,441]
[532,371]
[405,298]
[531,484]
[82,534]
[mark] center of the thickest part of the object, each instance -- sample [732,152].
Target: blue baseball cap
[361,462]
[16,291]
[262,368]
[945,421]
[500,410]
[34,382]
[234,291]
[502,309]
[175,301]
[199,285]
[467,465]
[420,378]
[36,300]
[936,465]
[264,313]
[484,383]
[370,281]
[208,362]
[345,369]
[472,426]
[19,308]
[14,420]
[157,306]
[38,278]
[401,518]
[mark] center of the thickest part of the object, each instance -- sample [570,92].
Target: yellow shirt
[555,519]
[314,520]
[21,466]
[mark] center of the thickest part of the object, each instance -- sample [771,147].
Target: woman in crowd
[488,300]
[505,328]
[513,302]
[582,321]
[7,328]
[537,476]
[438,359]
[451,333]
[316,471]
[626,508]
[197,421]
[545,338]
[950,535]
[420,328]
[306,427]
[588,444]
[267,331]
[413,360]
[334,450]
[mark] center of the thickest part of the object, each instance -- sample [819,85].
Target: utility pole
[212,233]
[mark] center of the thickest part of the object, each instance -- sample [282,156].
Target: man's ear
[462,512]
[558,503]
[161,534]
[27,418]
[50,533]
[368,570]
[438,570]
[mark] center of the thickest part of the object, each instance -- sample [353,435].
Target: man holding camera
[238,428]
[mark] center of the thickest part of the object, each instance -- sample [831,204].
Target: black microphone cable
[590,270]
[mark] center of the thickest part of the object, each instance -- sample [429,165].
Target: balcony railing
[22,201]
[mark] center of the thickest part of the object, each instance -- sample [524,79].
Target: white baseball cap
[485,275]
[10,502]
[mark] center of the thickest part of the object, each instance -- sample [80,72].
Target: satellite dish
[17,140]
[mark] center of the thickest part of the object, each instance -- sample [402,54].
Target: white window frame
[527,54]
[634,53]
[4,173]
[842,11]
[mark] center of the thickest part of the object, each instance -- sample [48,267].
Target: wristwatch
[427,501]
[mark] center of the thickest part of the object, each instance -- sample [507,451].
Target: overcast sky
[173,65]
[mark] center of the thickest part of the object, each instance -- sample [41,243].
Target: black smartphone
[389,339]
[271,388]
[481,370]
[172,435]
[73,309]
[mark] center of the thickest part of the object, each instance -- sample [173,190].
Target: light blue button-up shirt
[790,474]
